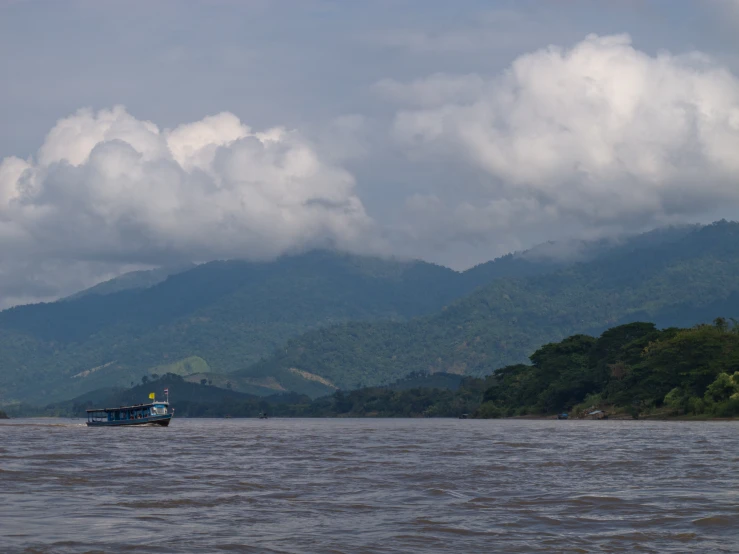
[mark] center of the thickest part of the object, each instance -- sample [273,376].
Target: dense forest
[222,316]
[324,321]
[227,314]
[678,283]
[633,370]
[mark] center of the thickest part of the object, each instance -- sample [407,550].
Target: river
[370,486]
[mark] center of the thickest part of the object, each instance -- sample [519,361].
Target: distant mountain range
[214,318]
[682,280]
[319,321]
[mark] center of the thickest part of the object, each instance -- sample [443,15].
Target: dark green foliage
[351,322]
[550,257]
[633,368]
[389,402]
[445,381]
[228,313]
[683,281]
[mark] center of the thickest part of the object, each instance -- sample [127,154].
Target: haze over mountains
[316,322]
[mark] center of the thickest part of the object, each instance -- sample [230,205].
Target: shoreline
[512,418]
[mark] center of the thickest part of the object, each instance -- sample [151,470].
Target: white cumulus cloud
[106,187]
[600,133]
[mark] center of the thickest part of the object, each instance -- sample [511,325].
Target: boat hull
[159,421]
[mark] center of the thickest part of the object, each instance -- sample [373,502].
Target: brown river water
[370,485]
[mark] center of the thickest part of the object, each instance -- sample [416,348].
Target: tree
[721,324]
[721,389]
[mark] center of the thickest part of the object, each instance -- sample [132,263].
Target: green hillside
[678,282]
[361,321]
[629,371]
[229,314]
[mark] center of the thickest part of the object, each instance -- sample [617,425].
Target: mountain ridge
[503,322]
[236,317]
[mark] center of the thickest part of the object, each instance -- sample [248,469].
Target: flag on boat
[166,391]
[152,395]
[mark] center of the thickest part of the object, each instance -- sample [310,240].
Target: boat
[563,415]
[262,415]
[156,412]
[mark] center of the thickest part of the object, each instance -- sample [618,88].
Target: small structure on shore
[597,414]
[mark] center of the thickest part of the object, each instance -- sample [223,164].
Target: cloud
[587,140]
[106,188]
[601,133]
[24,281]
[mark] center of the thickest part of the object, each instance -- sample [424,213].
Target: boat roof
[135,406]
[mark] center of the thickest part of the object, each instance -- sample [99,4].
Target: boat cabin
[130,415]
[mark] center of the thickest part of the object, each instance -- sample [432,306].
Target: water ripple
[371,486]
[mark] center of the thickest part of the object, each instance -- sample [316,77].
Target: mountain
[554,255]
[633,370]
[132,280]
[216,321]
[213,318]
[685,280]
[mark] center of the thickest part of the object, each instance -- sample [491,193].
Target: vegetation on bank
[228,314]
[3,415]
[633,370]
[368,321]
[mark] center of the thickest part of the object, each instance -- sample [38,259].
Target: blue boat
[156,412]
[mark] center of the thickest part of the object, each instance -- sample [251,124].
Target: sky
[138,134]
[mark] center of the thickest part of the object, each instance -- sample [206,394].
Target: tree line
[633,370]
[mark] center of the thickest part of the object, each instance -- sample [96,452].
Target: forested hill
[225,316]
[676,282]
[551,256]
[630,371]
[216,317]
